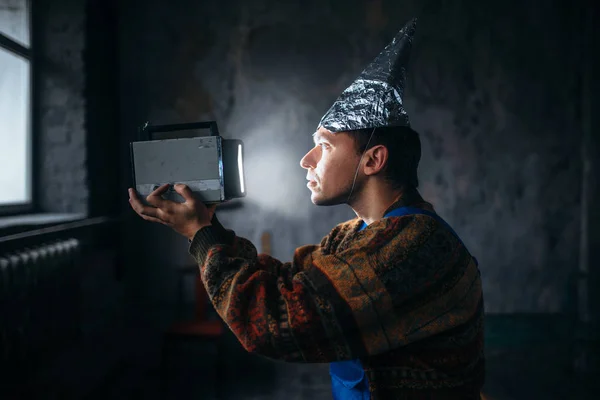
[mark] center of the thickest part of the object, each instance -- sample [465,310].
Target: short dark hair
[404,149]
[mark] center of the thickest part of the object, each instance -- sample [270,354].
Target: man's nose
[308,161]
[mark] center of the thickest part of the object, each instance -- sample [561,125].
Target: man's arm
[266,303]
[323,307]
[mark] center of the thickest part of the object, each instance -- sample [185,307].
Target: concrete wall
[75,173]
[492,90]
[60,115]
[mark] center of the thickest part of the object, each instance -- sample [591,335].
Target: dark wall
[493,90]
[59,40]
[77,171]
[76,106]
[102,107]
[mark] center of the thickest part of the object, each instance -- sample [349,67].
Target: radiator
[39,303]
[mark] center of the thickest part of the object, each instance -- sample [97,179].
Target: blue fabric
[399,212]
[348,379]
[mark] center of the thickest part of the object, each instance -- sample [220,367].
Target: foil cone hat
[374,99]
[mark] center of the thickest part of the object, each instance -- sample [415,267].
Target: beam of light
[276,134]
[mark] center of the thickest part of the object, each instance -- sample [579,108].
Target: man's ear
[377,158]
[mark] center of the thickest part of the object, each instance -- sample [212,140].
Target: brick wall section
[62,106]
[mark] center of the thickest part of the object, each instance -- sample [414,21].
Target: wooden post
[265,242]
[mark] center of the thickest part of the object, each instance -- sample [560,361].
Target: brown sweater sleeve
[343,299]
[264,302]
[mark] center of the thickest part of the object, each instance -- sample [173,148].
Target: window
[15,106]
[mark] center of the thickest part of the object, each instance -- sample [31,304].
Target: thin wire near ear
[358,166]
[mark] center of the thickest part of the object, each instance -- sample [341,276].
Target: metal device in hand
[212,167]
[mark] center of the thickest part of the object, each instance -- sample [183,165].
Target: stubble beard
[341,197]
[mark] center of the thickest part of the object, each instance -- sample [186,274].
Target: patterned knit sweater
[403,295]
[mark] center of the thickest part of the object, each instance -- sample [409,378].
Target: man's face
[331,166]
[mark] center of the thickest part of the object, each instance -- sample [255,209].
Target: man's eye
[324,145]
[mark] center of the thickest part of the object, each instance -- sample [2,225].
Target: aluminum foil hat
[374,99]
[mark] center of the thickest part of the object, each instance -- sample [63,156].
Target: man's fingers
[155,201]
[133,195]
[155,198]
[152,214]
[135,202]
[159,191]
[185,192]
[152,219]
[149,213]
[143,210]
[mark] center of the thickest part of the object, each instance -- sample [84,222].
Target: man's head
[391,159]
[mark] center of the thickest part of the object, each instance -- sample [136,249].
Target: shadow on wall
[481,91]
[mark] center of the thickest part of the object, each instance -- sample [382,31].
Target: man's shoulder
[340,231]
[396,224]
[416,228]
[346,227]
[350,225]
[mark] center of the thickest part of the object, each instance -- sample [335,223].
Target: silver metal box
[211,166]
[196,162]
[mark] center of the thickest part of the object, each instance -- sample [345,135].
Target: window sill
[23,223]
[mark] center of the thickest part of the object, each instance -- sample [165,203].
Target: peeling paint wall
[492,90]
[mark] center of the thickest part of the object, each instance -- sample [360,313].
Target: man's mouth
[311,184]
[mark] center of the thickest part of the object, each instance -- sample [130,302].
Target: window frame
[11,45]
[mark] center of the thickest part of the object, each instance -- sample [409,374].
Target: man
[392,299]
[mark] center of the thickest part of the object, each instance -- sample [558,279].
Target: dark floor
[191,373]
[514,372]
[251,377]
